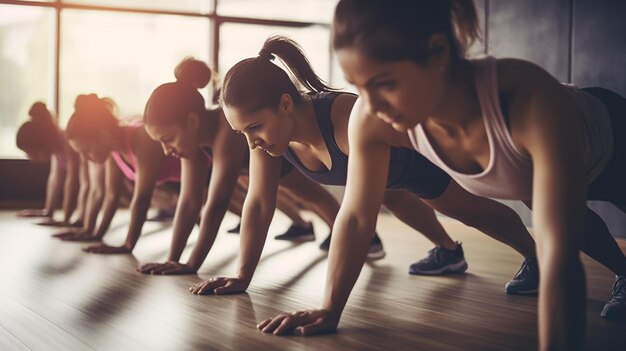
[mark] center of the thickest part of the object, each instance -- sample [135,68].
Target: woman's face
[94,149]
[175,139]
[268,129]
[401,93]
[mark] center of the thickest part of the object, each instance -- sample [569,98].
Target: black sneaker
[325,245]
[298,233]
[375,251]
[235,230]
[615,309]
[526,280]
[440,261]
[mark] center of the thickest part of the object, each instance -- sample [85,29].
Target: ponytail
[256,83]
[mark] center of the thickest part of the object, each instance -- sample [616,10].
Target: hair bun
[86,102]
[193,72]
[39,113]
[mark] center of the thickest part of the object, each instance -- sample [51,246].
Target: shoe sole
[457,268]
[301,238]
[521,292]
[377,255]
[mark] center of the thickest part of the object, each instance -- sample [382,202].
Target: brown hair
[256,83]
[40,132]
[91,115]
[170,102]
[401,29]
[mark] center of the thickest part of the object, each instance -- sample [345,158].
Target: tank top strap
[485,76]
[322,104]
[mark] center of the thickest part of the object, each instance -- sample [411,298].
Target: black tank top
[408,169]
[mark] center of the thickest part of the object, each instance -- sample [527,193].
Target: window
[319,11]
[240,41]
[26,68]
[124,49]
[124,56]
[193,6]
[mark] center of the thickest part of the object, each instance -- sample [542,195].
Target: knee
[391,200]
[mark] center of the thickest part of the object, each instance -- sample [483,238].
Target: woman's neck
[459,108]
[305,128]
[209,123]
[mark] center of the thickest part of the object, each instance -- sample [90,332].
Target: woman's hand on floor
[34,213]
[53,223]
[167,268]
[305,323]
[106,249]
[220,286]
[76,235]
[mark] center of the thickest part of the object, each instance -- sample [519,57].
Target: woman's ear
[286,103]
[439,52]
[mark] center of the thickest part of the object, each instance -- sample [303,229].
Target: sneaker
[325,245]
[298,233]
[163,215]
[375,251]
[440,261]
[615,309]
[235,230]
[526,280]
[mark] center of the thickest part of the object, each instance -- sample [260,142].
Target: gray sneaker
[615,309]
[440,261]
[526,280]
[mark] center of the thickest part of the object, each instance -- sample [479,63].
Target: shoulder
[144,147]
[368,128]
[539,104]
[342,104]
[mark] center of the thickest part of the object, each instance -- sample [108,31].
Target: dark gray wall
[578,41]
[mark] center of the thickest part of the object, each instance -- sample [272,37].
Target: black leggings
[610,185]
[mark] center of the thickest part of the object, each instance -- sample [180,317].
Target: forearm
[561,303]
[53,193]
[81,208]
[138,211]
[254,226]
[184,220]
[96,198]
[110,207]
[348,251]
[209,226]
[70,195]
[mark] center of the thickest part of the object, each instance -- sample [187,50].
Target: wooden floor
[55,297]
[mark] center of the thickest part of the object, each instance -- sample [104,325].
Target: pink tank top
[509,172]
[170,166]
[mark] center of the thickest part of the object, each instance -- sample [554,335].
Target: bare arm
[228,154]
[545,113]
[113,180]
[71,186]
[352,231]
[149,160]
[54,187]
[258,210]
[83,193]
[96,195]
